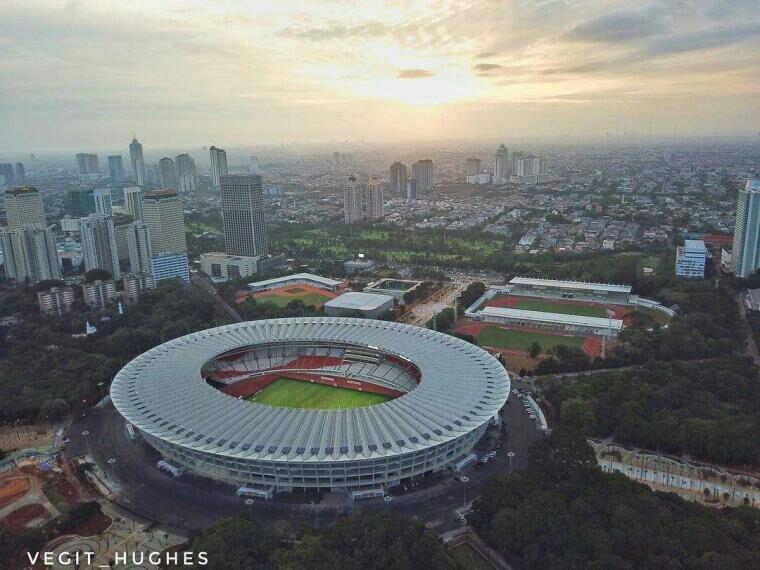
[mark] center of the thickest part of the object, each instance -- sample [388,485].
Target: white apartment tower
[133,202]
[187,178]
[745,254]
[29,253]
[165,218]
[501,169]
[218,165]
[138,242]
[24,206]
[398,179]
[352,201]
[422,172]
[99,248]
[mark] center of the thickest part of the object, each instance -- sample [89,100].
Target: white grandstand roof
[359,301]
[560,318]
[575,285]
[298,276]
[162,393]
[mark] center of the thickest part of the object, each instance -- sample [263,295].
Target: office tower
[169,266]
[352,201]
[243,214]
[373,200]
[337,159]
[164,216]
[745,254]
[24,206]
[135,284]
[138,162]
[56,300]
[29,253]
[133,202]
[167,174]
[253,167]
[411,189]
[138,244]
[116,168]
[121,224]
[154,175]
[501,170]
[103,202]
[218,165]
[186,174]
[19,175]
[81,201]
[398,179]
[99,248]
[7,175]
[88,164]
[691,259]
[473,166]
[99,294]
[422,172]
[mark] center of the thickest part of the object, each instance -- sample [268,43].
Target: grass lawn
[521,340]
[288,393]
[549,306]
[282,300]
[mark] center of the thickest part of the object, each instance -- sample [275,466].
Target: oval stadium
[313,402]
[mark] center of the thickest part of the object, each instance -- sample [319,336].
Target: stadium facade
[185,397]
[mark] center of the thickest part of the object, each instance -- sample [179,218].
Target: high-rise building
[99,294]
[501,170]
[422,172]
[99,248]
[411,189]
[135,284]
[167,174]
[186,174]
[24,206]
[116,167]
[138,244]
[373,200]
[7,175]
[103,202]
[398,179]
[19,174]
[81,201]
[88,164]
[352,201]
[745,254]
[154,175]
[530,168]
[218,165]
[138,162]
[169,266]
[473,166]
[164,216]
[691,259]
[133,202]
[121,224]
[56,300]
[29,253]
[243,215]
[253,167]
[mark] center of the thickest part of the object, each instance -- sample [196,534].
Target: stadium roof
[560,318]
[359,301]
[297,277]
[164,395]
[576,285]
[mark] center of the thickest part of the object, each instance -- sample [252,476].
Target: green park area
[280,301]
[550,306]
[289,393]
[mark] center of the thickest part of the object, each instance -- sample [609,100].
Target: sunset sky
[86,73]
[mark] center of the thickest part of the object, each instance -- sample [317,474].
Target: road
[424,311]
[190,503]
[204,284]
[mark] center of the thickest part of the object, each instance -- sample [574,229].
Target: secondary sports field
[315,299]
[514,339]
[549,306]
[288,393]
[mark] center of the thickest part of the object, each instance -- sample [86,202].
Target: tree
[535,349]
[97,275]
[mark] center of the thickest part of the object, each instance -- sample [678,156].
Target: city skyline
[318,73]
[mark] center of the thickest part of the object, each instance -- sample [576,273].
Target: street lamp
[387,500]
[510,454]
[464,481]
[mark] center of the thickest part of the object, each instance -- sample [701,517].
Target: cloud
[336,31]
[704,39]
[618,27]
[487,68]
[414,73]
[486,55]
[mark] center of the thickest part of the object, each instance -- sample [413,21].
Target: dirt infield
[28,516]
[283,295]
[11,490]
[592,345]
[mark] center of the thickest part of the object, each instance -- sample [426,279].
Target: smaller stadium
[307,287]
[574,314]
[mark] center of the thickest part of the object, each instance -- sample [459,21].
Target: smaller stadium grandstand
[396,288]
[298,279]
[559,289]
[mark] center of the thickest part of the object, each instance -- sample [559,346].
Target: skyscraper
[7,176]
[103,203]
[218,165]
[422,172]
[186,174]
[81,201]
[88,164]
[164,216]
[19,174]
[138,162]
[411,189]
[138,240]
[133,202]
[167,174]
[745,254]
[253,167]
[29,253]
[398,179]
[243,214]
[116,168]
[24,206]
[99,248]
[352,201]
[373,200]
[501,170]
[473,166]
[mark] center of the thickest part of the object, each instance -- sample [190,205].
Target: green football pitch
[521,340]
[288,393]
[282,300]
[549,306]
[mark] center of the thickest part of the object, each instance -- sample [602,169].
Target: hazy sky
[84,74]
